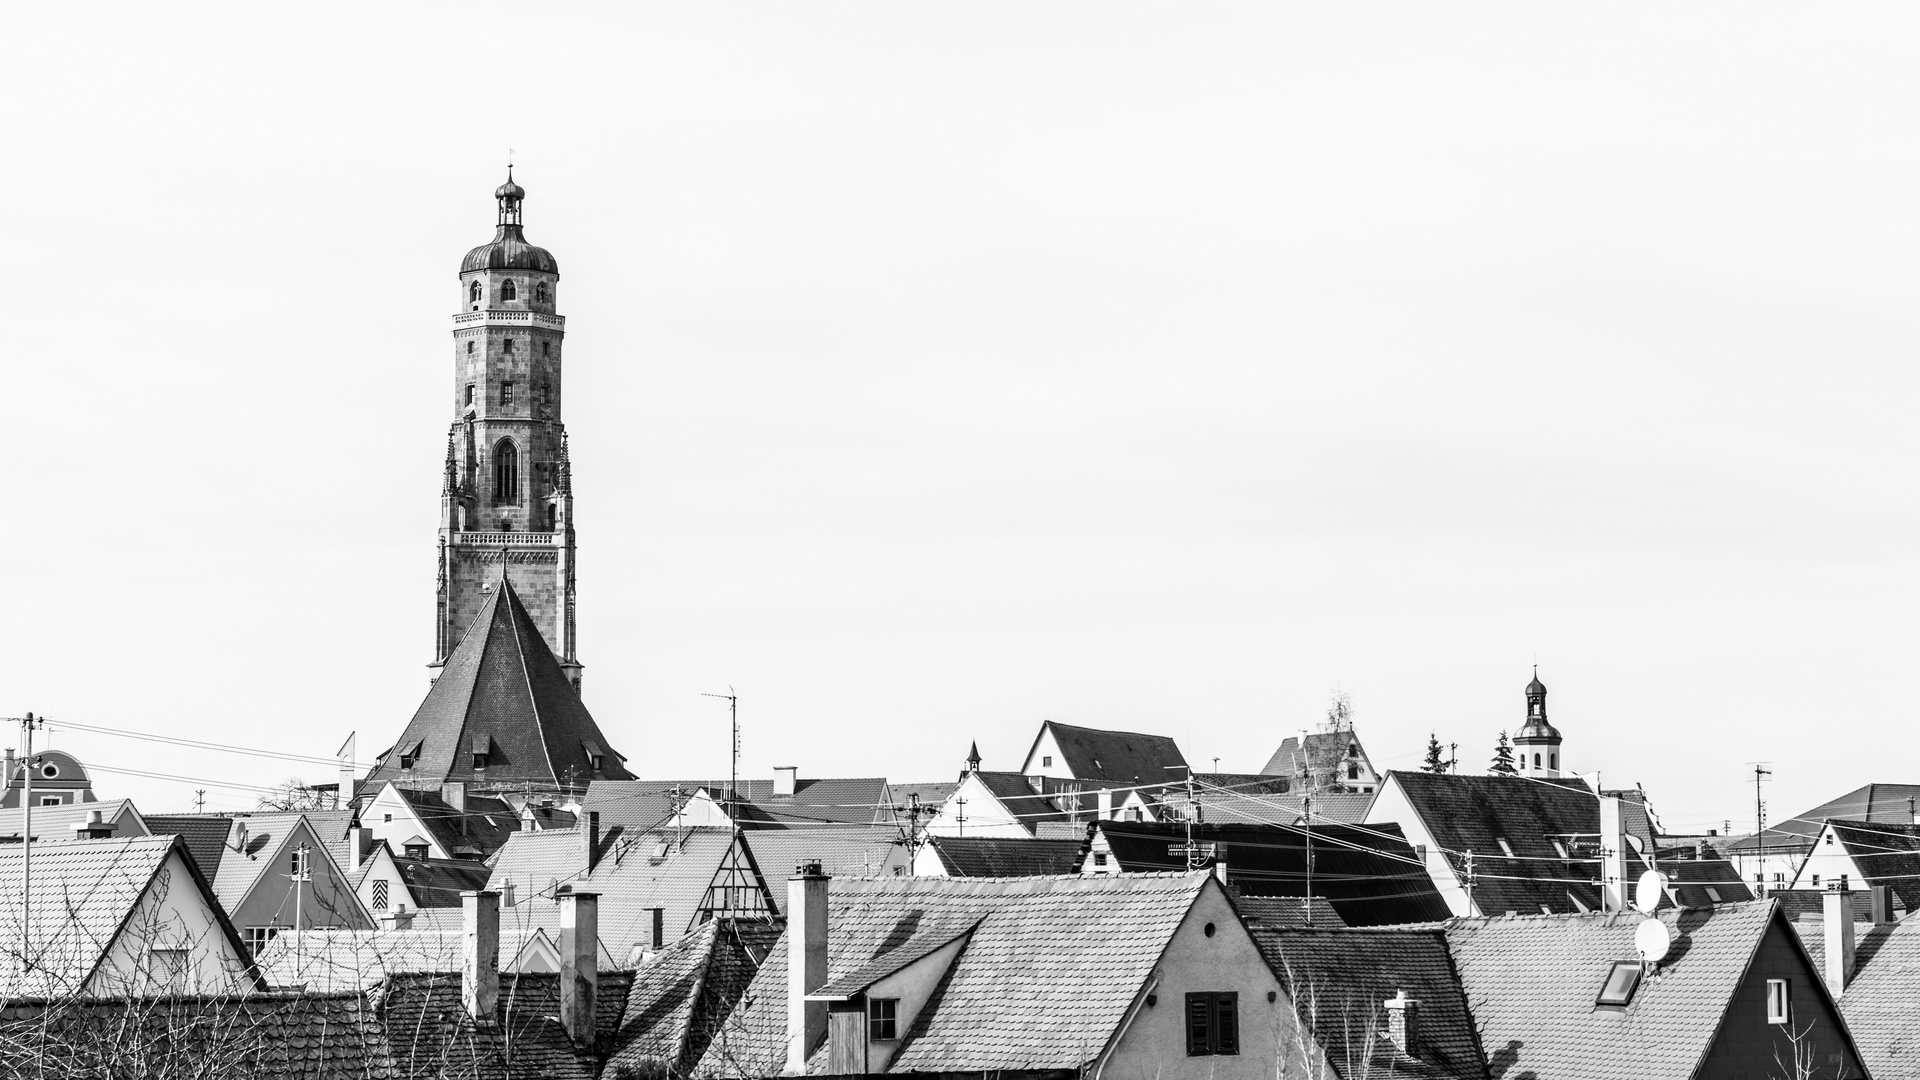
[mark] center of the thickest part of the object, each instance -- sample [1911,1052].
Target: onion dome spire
[509,249]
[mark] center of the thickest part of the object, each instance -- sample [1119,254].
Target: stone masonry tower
[508,490]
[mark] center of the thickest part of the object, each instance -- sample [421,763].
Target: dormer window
[415,851]
[482,748]
[508,292]
[883,1019]
[1623,978]
[594,757]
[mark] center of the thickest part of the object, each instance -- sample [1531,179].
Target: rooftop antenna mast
[1761,770]
[733,777]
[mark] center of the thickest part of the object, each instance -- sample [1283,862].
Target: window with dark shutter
[1213,1023]
[659,927]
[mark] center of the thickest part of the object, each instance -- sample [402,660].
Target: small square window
[1816,881]
[469,347]
[1623,978]
[506,393]
[168,965]
[1779,1001]
[509,346]
[256,937]
[1099,858]
[883,1019]
[1046,761]
[1213,1023]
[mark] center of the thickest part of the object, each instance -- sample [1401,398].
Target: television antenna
[733,778]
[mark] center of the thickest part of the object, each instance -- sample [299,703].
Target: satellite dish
[1648,891]
[1652,939]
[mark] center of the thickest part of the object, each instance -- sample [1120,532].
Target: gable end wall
[1747,1046]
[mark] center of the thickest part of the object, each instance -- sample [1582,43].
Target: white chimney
[480,954]
[784,778]
[1839,940]
[806,963]
[1613,845]
[93,828]
[579,964]
[361,844]
[1402,1025]
[1220,863]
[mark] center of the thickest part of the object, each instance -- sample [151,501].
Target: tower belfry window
[473,293]
[540,292]
[507,291]
[506,472]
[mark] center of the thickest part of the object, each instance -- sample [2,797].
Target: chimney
[93,828]
[1839,940]
[402,918]
[361,846]
[806,963]
[590,835]
[1220,863]
[455,794]
[1613,845]
[480,954]
[1402,1025]
[579,964]
[784,778]
[1882,903]
[1106,804]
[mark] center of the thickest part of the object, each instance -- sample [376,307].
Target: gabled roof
[1689,880]
[1879,803]
[439,882]
[1533,979]
[204,834]
[1099,936]
[1116,757]
[636,872]
[1887,853]
[828,801]
[502,682]
[1253,804]
[637,804]
[428,1028]
[1370,874]
[682,997]
[257,1036]
[252,849]
[932,793]
[1321,751]
[1337,980]
[852,851]
[84,893]
[57,822]
[987,856]
[1288,911]
[480,828]
[1023,805]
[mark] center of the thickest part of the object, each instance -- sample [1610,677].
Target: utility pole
[27,725]
[1761,770]
[199,800]
[733,777]
[961,819]
[302,872]
[1306,819]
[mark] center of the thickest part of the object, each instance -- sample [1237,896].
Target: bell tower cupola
[1537,746]
[507,494]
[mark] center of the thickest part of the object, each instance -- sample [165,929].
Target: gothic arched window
[506,472]
[507,291]
[473,293]
[553,517]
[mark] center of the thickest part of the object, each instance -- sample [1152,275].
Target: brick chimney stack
[1839,939]
[806,963]
[480,955]
[579,965]
[1402,1022]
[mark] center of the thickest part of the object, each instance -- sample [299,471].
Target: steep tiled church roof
[501,694]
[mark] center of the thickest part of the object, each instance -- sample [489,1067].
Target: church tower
[1536,748]
[507,497]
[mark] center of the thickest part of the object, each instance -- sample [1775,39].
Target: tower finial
[451,485]
[564,485]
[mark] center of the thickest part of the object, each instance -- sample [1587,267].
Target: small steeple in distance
[1537,745]
[973,758]
[507,494]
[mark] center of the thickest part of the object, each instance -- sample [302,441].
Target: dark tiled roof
[1117,757]
[501,682]
[1532,981]
[1016,793]
[830,801]
[1001,1005]
[1370,875]
[1338,979]
[439,882]
[637,804]
[482,827]
[1689,879]
[1880,803]
[931,794]
[985,856]
[1288,911]
[204,834]
[1878,1004]
[266,1036]
[431,1036]
[683,996]
[1887,853]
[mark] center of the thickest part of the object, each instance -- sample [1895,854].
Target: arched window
[1536,761]
[553,517]
[540,292]
[1553,761]
[473,293]
[506,472]
[507,291]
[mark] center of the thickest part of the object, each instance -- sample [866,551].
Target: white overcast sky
[938,369]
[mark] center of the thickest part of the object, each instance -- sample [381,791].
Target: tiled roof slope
[636,804]
[1689,880]
[248,854]
[431,1036]
[1016,793]
[834,800]
[852,851]
[502,683]
[682,998]
[1532,981]
[1117,757]
[1887,853]
[1247,806]
[1474,813]
[1338,978]
[256,1037]
[1880,803]
[985,856]
[931,793]
[84,891]
[1000,1006]
[1288,911]
[439,882]
[636,872]
[1371,876]
[57,822]
[482,826]
[204,834]
[1878,1004]
[1321,751]
[324,961]
[1799,903]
